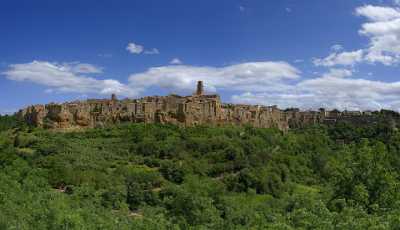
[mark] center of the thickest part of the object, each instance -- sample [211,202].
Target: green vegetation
[7,122]
[139,176]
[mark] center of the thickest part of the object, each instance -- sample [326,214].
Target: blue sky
[308,54]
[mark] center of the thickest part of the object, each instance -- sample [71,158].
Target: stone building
[197,109]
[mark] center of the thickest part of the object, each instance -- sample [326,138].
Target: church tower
[200,88]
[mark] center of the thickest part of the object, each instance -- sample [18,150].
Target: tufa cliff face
[173,109]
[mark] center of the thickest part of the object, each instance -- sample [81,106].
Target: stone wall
[192,110]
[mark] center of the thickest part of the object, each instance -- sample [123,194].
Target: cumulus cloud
[337,48]
[254,76]
[378,13]
[334,89]
[139,49]
[338,73]
[343,58]
[71,77]
[134,48]
[152,51]
[66,78]
[383,30]
[264,83]
[76,67]
[175,61]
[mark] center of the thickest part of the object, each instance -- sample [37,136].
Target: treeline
[8,122]
[138,176]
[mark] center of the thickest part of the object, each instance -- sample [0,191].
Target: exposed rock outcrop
[192,110]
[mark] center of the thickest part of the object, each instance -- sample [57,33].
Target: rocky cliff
[196,109]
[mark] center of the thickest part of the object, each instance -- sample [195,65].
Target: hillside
[138,176]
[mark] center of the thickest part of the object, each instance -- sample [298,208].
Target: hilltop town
[196,109]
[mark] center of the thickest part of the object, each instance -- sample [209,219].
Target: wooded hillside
[139,176]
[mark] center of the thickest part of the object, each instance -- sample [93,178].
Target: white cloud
[66,78]
[252,82]
[175,61]
[337,48]
[343,58]
[288,9]
[139,49]
[383,30]
[76,67]
[152,51]
[339,73]
[329,91]
[242,8]
[254,76]
[135,48]
[378,13]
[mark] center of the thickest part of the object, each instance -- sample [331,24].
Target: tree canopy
[141,176]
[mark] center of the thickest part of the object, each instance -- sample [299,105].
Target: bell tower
[200,88]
